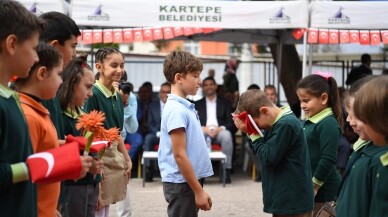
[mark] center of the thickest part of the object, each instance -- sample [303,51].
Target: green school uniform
[69,121]
[379,202]
[54,108]
[323,134]
[285,166]
[360,191]
[109,103]
[15,146]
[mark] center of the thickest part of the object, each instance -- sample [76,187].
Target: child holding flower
[117,163]
[78,80]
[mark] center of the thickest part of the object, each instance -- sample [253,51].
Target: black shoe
[149,176]
[227,178]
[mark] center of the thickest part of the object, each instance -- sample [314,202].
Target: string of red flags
[341,36]
[132,35]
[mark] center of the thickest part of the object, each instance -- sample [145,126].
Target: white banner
[349,15]
[205,14]
[39,7]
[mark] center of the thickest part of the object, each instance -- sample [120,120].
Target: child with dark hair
[282,151]
[319,99]
[42,83]
[117,163]
[19,35]
[78,80]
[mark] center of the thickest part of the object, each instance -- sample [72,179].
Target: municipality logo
[280,17]
[34,9]
[339,18]
[99,15]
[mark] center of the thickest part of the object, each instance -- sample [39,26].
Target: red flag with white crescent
[364,37]
[298,33]
[157,33]
[323,36]
[137,35]
[147,34]
[333,36]
[312,36]
[344,36]
[87,36]
[188,31]
[108,35]
[95,147]
[117,36]
[97,36]
[55,165]
[127,36]
[178,31]
[375,37]
[354,36]
[167,32]
[384,36]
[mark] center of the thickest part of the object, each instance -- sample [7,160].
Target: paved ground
[242,198]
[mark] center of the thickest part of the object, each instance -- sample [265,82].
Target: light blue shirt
[180,113]
[130,121]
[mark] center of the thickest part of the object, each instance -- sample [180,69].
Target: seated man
[216,120]
[155,109]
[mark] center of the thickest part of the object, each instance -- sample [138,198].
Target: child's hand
[98,207]
[115,84]
[203,201]
[128,171]
[239,123]
[96,167]
[86,163]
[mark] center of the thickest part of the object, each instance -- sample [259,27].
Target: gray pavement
[242,198]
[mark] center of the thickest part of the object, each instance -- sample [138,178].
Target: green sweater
[109,103]
[285,166]
[15,146]
[69,122]
[55,114]
[365,190]
[323,134]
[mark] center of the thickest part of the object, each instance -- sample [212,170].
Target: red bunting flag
[147,34]
[384,36]
[197,30]
[312,36]
[354,36]
[117,36]
[375,37]
[364,37]
[207,30]
[344,36]
[87,36]
[323,36]
[333,36]
[127,35]
[97,36]
[167,32]
[178,31]
[108,35]
[188,31]
[56,164]
[79,38]
[157,33]
[298,33]
[137,35]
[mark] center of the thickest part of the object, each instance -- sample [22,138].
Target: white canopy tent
[42,6]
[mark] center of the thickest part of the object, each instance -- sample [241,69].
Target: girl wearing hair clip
[319,99]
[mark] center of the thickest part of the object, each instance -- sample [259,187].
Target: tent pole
[310,60]
[304,60]
[279,66]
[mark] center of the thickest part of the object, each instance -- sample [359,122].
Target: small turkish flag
[252,128]
[384,36]
[312,36]
[333,36]
[97,36]
[127,36]
[178,31]
[87,37]
[344,36]
[298,33]
[375,37]
[147,34]
[364,37]
[117,36]
[323,36]
[56,164]
[108,36]
[354,36]
[188,31]
[95,147]
[137,35]
[157,33]
[167,32]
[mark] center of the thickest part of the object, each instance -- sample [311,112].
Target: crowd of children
[52,87]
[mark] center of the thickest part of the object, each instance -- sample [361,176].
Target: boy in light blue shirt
[183,157]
